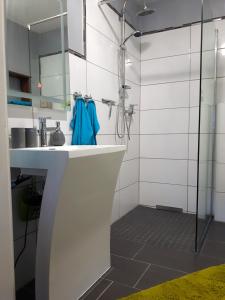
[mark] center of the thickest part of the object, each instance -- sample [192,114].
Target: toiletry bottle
[57,137]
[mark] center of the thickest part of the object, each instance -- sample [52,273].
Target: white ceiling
[24,12]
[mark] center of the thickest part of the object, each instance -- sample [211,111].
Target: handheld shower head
[135,34]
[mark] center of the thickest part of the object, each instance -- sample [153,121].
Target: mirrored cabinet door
[37,54]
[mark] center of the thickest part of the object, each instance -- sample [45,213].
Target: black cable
[25,239]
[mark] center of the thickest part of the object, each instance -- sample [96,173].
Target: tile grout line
[142,275]
[102,293]
[139,250]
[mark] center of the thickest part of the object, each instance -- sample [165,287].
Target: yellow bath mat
[208,284]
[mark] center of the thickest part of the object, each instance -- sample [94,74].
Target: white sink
[73,248]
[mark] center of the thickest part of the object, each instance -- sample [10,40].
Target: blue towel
[19,102]
[80,124]
[91,108]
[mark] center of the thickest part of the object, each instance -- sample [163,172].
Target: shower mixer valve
[130,111]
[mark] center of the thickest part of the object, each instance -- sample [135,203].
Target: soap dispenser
[57,137]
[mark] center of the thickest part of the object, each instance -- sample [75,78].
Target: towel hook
[87,98]
[77,95]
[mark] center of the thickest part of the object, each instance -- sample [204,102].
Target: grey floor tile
[214,249]
[124,248]
[116,291]
[156,275]
[126,271]
[177,260]
[216,232]
[96,291]
[157,227]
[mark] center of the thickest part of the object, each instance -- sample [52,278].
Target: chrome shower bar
[46,19]
[101,2]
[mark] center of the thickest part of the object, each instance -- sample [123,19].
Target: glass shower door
[206,125]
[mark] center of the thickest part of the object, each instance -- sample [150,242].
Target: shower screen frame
[206,126]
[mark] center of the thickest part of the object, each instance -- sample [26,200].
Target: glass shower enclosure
[207,118]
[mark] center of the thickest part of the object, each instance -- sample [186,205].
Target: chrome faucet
[43,129]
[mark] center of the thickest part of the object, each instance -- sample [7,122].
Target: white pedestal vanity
[73,248]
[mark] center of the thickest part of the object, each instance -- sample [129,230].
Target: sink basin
[73,248]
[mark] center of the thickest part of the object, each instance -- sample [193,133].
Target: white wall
[98,76]
[170,64]
[6,235]
[169,110]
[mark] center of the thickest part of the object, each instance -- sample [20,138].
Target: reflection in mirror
[37,42]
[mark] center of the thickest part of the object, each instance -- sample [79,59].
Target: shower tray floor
[150,246]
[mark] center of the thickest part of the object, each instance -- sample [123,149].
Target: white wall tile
[133,69]
[152,194]
[219,207]
[134,47]
[129,199]
[192,199]
[106,139]
[220,112]
[129,173]
[192,173]
[208,65]
[101,83]
[97,44]
[168,95]
[220,90]
[164,171]
[194,117]
[103,19]
[78,74]
[168,43]
[168,69]
[206,145]
[220,25]
[219,177]
[193,146]
[68,139]
[194,92]
[172,146]
[195,66]
[132,148]
[107,126]
[202,203]
[220,148]
[164,121]
[146,197]
[208,37]
[208,91]
[195,38]
[220,63]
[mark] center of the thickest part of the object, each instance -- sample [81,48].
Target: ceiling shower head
[135,34]
[146,11]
